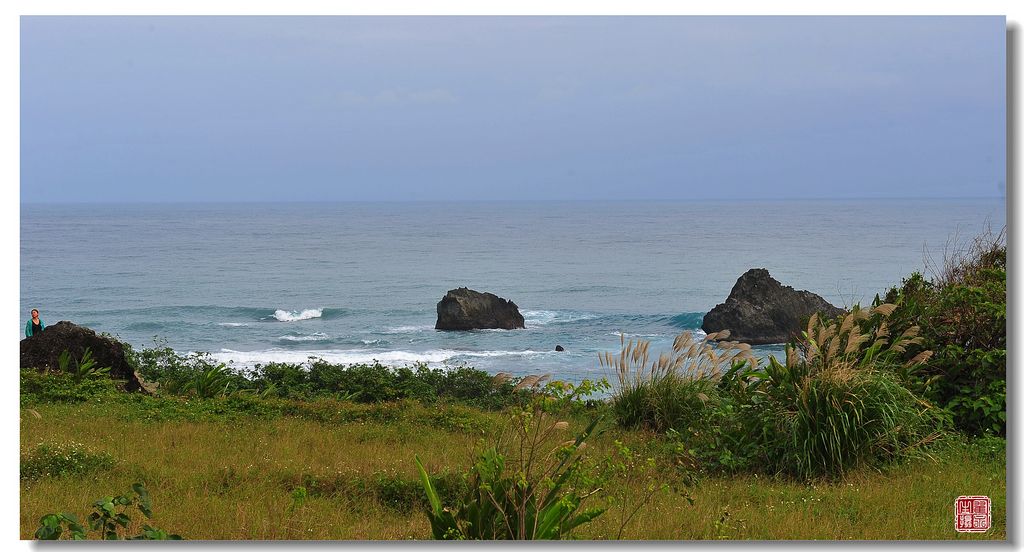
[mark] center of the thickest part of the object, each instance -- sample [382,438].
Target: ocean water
[357,282]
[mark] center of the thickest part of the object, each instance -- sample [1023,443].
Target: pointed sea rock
[760,310]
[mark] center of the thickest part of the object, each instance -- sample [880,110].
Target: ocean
[254,283]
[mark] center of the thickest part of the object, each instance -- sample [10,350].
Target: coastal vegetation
[869,428]
[228,467]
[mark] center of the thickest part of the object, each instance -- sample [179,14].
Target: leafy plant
[178,374]
[531,484]
[962,316]
[299,496]
[367,383]
[41,387]
[212,382]
[81,369]
[109,519]
[52,526]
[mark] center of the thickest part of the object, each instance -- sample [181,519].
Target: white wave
[697,334]
[499,353]
[315,337]
[409,329]
[292,316]
[232,324]
[371,341]
[544,317]
[357,356]
[631,335]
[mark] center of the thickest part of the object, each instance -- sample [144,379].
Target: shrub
[369,383]
[835,403]
[177,374]
[38,387]
[682,394]
[962,317]
[62,460]
[828,422]
[286,380]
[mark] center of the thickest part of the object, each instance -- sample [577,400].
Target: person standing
[35,325]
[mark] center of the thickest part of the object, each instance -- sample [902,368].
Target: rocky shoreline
[758,311]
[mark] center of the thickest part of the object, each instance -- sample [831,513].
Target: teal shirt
[28,327]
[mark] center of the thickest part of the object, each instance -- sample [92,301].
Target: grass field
[214,476]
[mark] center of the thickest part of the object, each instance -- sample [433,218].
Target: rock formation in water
[761,310]
[465,309]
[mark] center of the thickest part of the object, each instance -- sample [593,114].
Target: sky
[166,109]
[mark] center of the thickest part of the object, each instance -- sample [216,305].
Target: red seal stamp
[973,514]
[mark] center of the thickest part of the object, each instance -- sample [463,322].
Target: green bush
[369,383]
[962,318]
[40,387]
[213,381]
[178,374]
[687,395]
[285,380]
[837,402]
[828,422]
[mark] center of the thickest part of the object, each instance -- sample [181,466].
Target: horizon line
[525,200]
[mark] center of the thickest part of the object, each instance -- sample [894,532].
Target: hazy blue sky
[348,108]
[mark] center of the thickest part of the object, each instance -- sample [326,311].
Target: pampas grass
[673,391]
[837,403]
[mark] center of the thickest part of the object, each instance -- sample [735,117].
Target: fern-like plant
[212,382]
[81,369]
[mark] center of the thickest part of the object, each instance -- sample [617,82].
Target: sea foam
[409,329]
[314,337]
[358,356]
[545,317]
[292,316]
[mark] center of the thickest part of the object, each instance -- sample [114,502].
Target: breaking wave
[293,316]
[314,337]
[360,356]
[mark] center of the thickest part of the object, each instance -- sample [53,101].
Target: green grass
[218,469]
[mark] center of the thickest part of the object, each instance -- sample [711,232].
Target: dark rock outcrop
[465,309]
[559,348]
[42,350]
[761,310]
